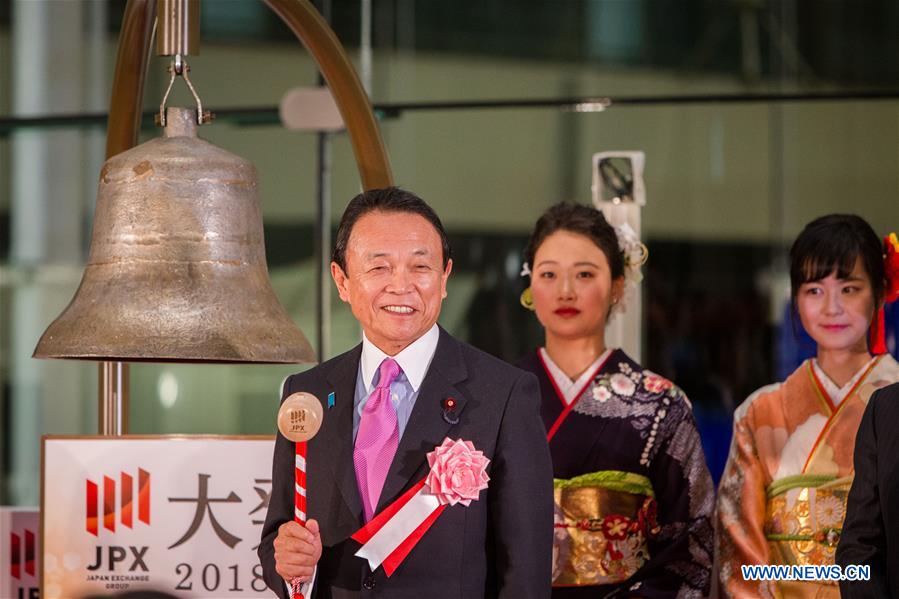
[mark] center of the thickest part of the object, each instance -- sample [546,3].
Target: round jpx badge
[300,417]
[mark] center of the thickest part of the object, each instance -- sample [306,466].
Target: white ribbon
[399,527]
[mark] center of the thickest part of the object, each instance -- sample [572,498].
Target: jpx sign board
[19,553]
[176,514]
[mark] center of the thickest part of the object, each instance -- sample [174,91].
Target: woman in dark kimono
[634,499]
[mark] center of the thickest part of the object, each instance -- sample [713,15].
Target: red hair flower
[891,266]
[891,270]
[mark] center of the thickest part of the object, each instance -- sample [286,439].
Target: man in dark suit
[394,398]
[870,533]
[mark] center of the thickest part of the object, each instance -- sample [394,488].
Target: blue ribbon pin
[330,400]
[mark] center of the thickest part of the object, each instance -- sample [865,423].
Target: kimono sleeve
[740,526]
[680,555]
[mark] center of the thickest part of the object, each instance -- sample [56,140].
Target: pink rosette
[458,472]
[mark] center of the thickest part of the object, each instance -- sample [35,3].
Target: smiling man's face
[394,279]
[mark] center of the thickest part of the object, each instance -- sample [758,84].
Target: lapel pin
[330,400]
[449,411]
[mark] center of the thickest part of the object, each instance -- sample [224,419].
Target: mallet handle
[299,501]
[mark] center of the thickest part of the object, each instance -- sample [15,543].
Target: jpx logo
[21,554]
[128,496]
[298,420]
[116,555]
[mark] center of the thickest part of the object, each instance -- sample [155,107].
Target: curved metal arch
[352,101]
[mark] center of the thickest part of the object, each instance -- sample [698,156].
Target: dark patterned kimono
[634,499]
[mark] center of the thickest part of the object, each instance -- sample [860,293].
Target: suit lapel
[426,427]
[336,435]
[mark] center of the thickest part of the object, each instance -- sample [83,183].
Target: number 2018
[211,579]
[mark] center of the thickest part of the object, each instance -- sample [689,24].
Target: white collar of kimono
[568,387]
[838,394]
[799,445]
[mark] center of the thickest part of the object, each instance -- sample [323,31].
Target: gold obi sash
[804,518]
[602,522]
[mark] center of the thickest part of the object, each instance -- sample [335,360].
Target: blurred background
[730,178]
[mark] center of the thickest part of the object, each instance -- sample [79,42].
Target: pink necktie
[377,439]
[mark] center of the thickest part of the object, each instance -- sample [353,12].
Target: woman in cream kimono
[782,497]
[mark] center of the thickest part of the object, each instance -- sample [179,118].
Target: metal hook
[180,67]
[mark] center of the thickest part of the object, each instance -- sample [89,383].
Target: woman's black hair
[833,244]
[584,220]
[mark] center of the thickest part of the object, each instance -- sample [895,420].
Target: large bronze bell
[177,267]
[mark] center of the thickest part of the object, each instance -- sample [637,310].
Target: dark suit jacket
[871,530]
[499,546]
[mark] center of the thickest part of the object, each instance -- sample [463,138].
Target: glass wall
[728,183]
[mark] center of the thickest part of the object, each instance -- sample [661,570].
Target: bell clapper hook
[179,67]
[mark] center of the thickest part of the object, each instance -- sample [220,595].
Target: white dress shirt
[414,362]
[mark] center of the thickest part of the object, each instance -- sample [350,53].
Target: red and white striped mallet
[299,419]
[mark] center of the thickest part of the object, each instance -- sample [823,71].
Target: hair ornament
[891,294]
[525,270]
[635,256]
[891,266]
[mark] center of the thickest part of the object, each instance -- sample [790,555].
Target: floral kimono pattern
[782,497]
[634,498]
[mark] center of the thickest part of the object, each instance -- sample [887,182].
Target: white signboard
[175,514]
[18,553]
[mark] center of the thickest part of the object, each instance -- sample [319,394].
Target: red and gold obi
[602,523]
